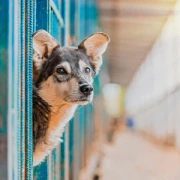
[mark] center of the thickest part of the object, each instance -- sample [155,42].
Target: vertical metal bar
[19,96]
[62,157]
[13,119]
[66,20]
[76,147]
[82,138]
[57,170]
[42,15]
[77,19]
[66,176]
[71,148]
[49,162]
[22,55]
[29,138]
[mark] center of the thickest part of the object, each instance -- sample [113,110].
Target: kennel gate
[66,20]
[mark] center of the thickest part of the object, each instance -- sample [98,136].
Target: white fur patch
[82,66]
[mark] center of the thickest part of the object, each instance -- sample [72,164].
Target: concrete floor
[132,157]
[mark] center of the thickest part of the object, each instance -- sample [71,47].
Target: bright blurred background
[144,61]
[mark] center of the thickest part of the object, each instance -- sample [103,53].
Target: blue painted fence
[69,21]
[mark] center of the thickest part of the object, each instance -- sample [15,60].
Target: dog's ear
[43,44]
[94,46]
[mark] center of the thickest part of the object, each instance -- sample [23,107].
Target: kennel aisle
[133,157]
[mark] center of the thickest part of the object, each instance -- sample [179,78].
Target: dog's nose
[86,89]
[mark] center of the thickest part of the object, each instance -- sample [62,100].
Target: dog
[62,80]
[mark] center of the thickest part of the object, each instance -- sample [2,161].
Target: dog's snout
[86,89]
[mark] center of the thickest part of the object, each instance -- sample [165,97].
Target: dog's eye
[87,70]
[61,71]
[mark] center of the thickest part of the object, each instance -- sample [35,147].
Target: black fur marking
[46,51]
[59,55]
[41,116]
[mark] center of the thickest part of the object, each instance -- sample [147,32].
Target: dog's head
[65,74]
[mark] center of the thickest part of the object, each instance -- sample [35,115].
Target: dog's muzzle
[86,89]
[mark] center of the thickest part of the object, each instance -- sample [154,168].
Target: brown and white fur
[63,79]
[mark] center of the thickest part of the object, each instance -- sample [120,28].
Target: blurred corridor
[144,57]
[133,157]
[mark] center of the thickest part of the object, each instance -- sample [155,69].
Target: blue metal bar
[76,147]
[42,15]
[22,76]
[71,148]
[62,170]
[57,13]
[29,64]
